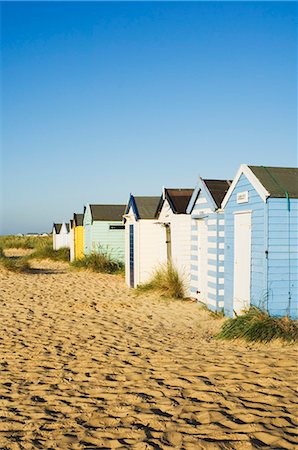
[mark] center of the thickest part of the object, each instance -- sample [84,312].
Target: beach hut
[207,242]
[176,223]
[60,235]
[71,240]
[104,230]
[56,233]
[143,240]
[261,224]
[78,236]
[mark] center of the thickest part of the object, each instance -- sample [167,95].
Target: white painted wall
[180,225]
[148,248]
[62,239]
[71,244]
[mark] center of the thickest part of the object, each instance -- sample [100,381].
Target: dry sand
[85,363]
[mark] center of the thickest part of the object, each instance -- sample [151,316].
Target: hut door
[169,242]
[242,261]
[131,257]
[202,261]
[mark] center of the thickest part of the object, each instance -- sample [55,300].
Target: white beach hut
[143,240]
[71,240]
[176,226]
[60,235]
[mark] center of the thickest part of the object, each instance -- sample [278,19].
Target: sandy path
[86,364]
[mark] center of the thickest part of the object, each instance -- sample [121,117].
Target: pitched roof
[218,189]
[78,219]
[178,199]
[67,227]
[278,180]
[107,212]
[146,206]
[57,227]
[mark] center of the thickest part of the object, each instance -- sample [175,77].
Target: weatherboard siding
[79,241]
[180,225]
[258,292]
[283,257]
[205,208]
[110,241]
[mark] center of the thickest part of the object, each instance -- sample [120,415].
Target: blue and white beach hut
[261,225]
[207,242]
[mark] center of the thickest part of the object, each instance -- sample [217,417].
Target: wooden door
[242,261]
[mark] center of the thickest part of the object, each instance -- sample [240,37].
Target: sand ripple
[85,364]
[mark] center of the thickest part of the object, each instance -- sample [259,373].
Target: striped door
[131,256]
[202,261]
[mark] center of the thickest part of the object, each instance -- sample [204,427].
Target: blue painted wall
[258,245]
[283,257]
[273,251]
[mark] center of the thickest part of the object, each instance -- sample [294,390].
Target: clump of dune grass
[167,280]
[25,242]
[258,326]
[99,262]
[18,265]
[47,252]
[1,252]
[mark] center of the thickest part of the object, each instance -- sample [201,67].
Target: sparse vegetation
[167,280]
[18,265]
[26,242]
[99,262]
[214,314]
[258,326]
[47,252]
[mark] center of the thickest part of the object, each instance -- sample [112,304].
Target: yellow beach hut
[78,236]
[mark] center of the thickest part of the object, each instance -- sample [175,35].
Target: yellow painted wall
[79,242]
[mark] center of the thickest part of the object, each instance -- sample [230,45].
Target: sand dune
[85,363]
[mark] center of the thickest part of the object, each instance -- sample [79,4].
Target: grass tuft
[18,265]
[257,326]
[99,262]
[167,280]
[47,252]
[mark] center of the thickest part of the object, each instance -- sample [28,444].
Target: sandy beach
[86,363]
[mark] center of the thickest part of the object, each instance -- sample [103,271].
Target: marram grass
[99,262]
[167,280]
[18,265]
[26,242]
[258,326]
[47,252]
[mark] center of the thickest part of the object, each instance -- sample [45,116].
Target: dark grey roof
[67,227]
[278,180]
[146,206]
[107,212]
[178,199]
[218,189]
[78,219]
[57,227]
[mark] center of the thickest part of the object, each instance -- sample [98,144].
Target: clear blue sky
[103,99]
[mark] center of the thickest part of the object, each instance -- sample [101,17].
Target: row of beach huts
[233,241]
